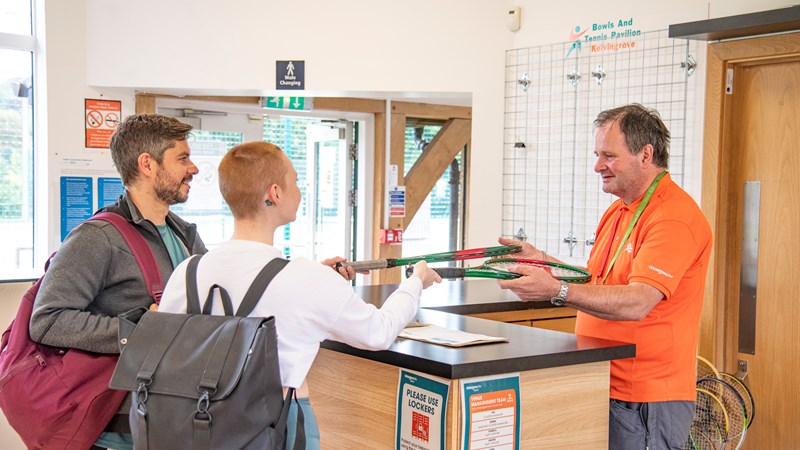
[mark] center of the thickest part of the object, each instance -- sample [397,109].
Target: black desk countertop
[475,296]
[527,349]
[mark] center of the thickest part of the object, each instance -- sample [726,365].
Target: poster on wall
[108,190]
[491,412]
[102,118]
[76,202]
[421,411]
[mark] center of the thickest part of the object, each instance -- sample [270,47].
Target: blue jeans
[653,426]
[309,421]
[117,441]
[122,441]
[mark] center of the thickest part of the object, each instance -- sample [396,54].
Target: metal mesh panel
[552,95]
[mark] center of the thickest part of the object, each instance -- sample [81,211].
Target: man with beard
[94,276]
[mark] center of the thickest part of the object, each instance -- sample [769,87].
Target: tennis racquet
[710,419]
[699,440]
[734,405]
[472,253]
[744,392]
[705,369]
[499,269]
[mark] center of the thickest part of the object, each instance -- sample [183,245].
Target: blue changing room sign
[290,75]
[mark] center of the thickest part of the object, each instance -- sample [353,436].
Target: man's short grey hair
[640,126]
[144,133]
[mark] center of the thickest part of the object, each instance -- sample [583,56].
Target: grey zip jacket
[94,277]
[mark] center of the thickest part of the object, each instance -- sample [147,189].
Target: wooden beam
[397,152]
[145,104]
[350,104]
[397,156]
[430,166]
[430,111]
[378,188]
[208,98]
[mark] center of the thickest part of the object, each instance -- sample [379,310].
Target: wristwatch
[561,298]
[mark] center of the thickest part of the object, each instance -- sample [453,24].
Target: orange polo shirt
[669,249]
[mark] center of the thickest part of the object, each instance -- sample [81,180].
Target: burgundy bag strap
[141,251]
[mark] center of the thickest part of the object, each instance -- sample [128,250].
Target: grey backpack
[205,381]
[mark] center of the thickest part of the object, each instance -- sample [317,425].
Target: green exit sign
[291,103]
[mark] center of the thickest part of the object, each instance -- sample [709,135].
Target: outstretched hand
[347,272]
[426,274]
[528,250]
[535,284]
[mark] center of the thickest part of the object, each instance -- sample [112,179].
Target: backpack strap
[227,304]
[141,251]
[300,428]
[259,285]
[192,297]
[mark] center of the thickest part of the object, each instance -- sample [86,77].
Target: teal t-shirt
[174,246]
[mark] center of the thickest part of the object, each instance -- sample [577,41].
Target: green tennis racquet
[471,253]
[499,269]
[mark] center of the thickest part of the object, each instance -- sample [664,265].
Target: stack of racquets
[496,267]
[724,410]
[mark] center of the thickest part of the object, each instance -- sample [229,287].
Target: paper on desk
[445,336]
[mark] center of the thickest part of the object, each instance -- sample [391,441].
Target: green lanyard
[636,215]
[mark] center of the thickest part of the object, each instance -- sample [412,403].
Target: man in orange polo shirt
[648,266]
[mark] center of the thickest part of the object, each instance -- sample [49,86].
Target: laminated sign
[102,118]
[421,411]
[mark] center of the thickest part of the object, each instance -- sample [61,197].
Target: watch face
[561,298]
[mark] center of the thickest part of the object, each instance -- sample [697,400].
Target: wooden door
[758,140]
[766,132]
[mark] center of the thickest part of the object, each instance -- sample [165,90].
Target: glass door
[329,192]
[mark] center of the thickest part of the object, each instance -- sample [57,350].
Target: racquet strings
[710,419]
[471,253]
[744,392]
[705,369]
[734,407]
[559,271]
[699,440]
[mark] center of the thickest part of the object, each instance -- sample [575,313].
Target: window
[318,152]
[436,227]
[16,136]
[206,208]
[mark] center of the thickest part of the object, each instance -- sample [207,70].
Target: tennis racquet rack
[553,94]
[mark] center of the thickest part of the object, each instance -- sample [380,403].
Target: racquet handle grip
[444,272]
[368,265]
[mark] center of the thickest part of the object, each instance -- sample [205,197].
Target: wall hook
[524,81]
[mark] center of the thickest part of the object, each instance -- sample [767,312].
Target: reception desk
[563,378]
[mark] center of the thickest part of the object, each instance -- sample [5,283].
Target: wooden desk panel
[355,402]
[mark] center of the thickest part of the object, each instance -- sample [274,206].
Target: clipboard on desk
[445,336]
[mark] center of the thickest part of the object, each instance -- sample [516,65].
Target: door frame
[719,198]
[384,118]
[342,129]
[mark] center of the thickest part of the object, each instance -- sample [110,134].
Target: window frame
[32,43]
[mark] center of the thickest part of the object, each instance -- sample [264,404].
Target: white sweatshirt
[310,301]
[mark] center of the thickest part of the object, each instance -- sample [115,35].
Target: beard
[168,189]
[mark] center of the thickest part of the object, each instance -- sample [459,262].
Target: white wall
[415,48]
[350,47]
[357,47]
